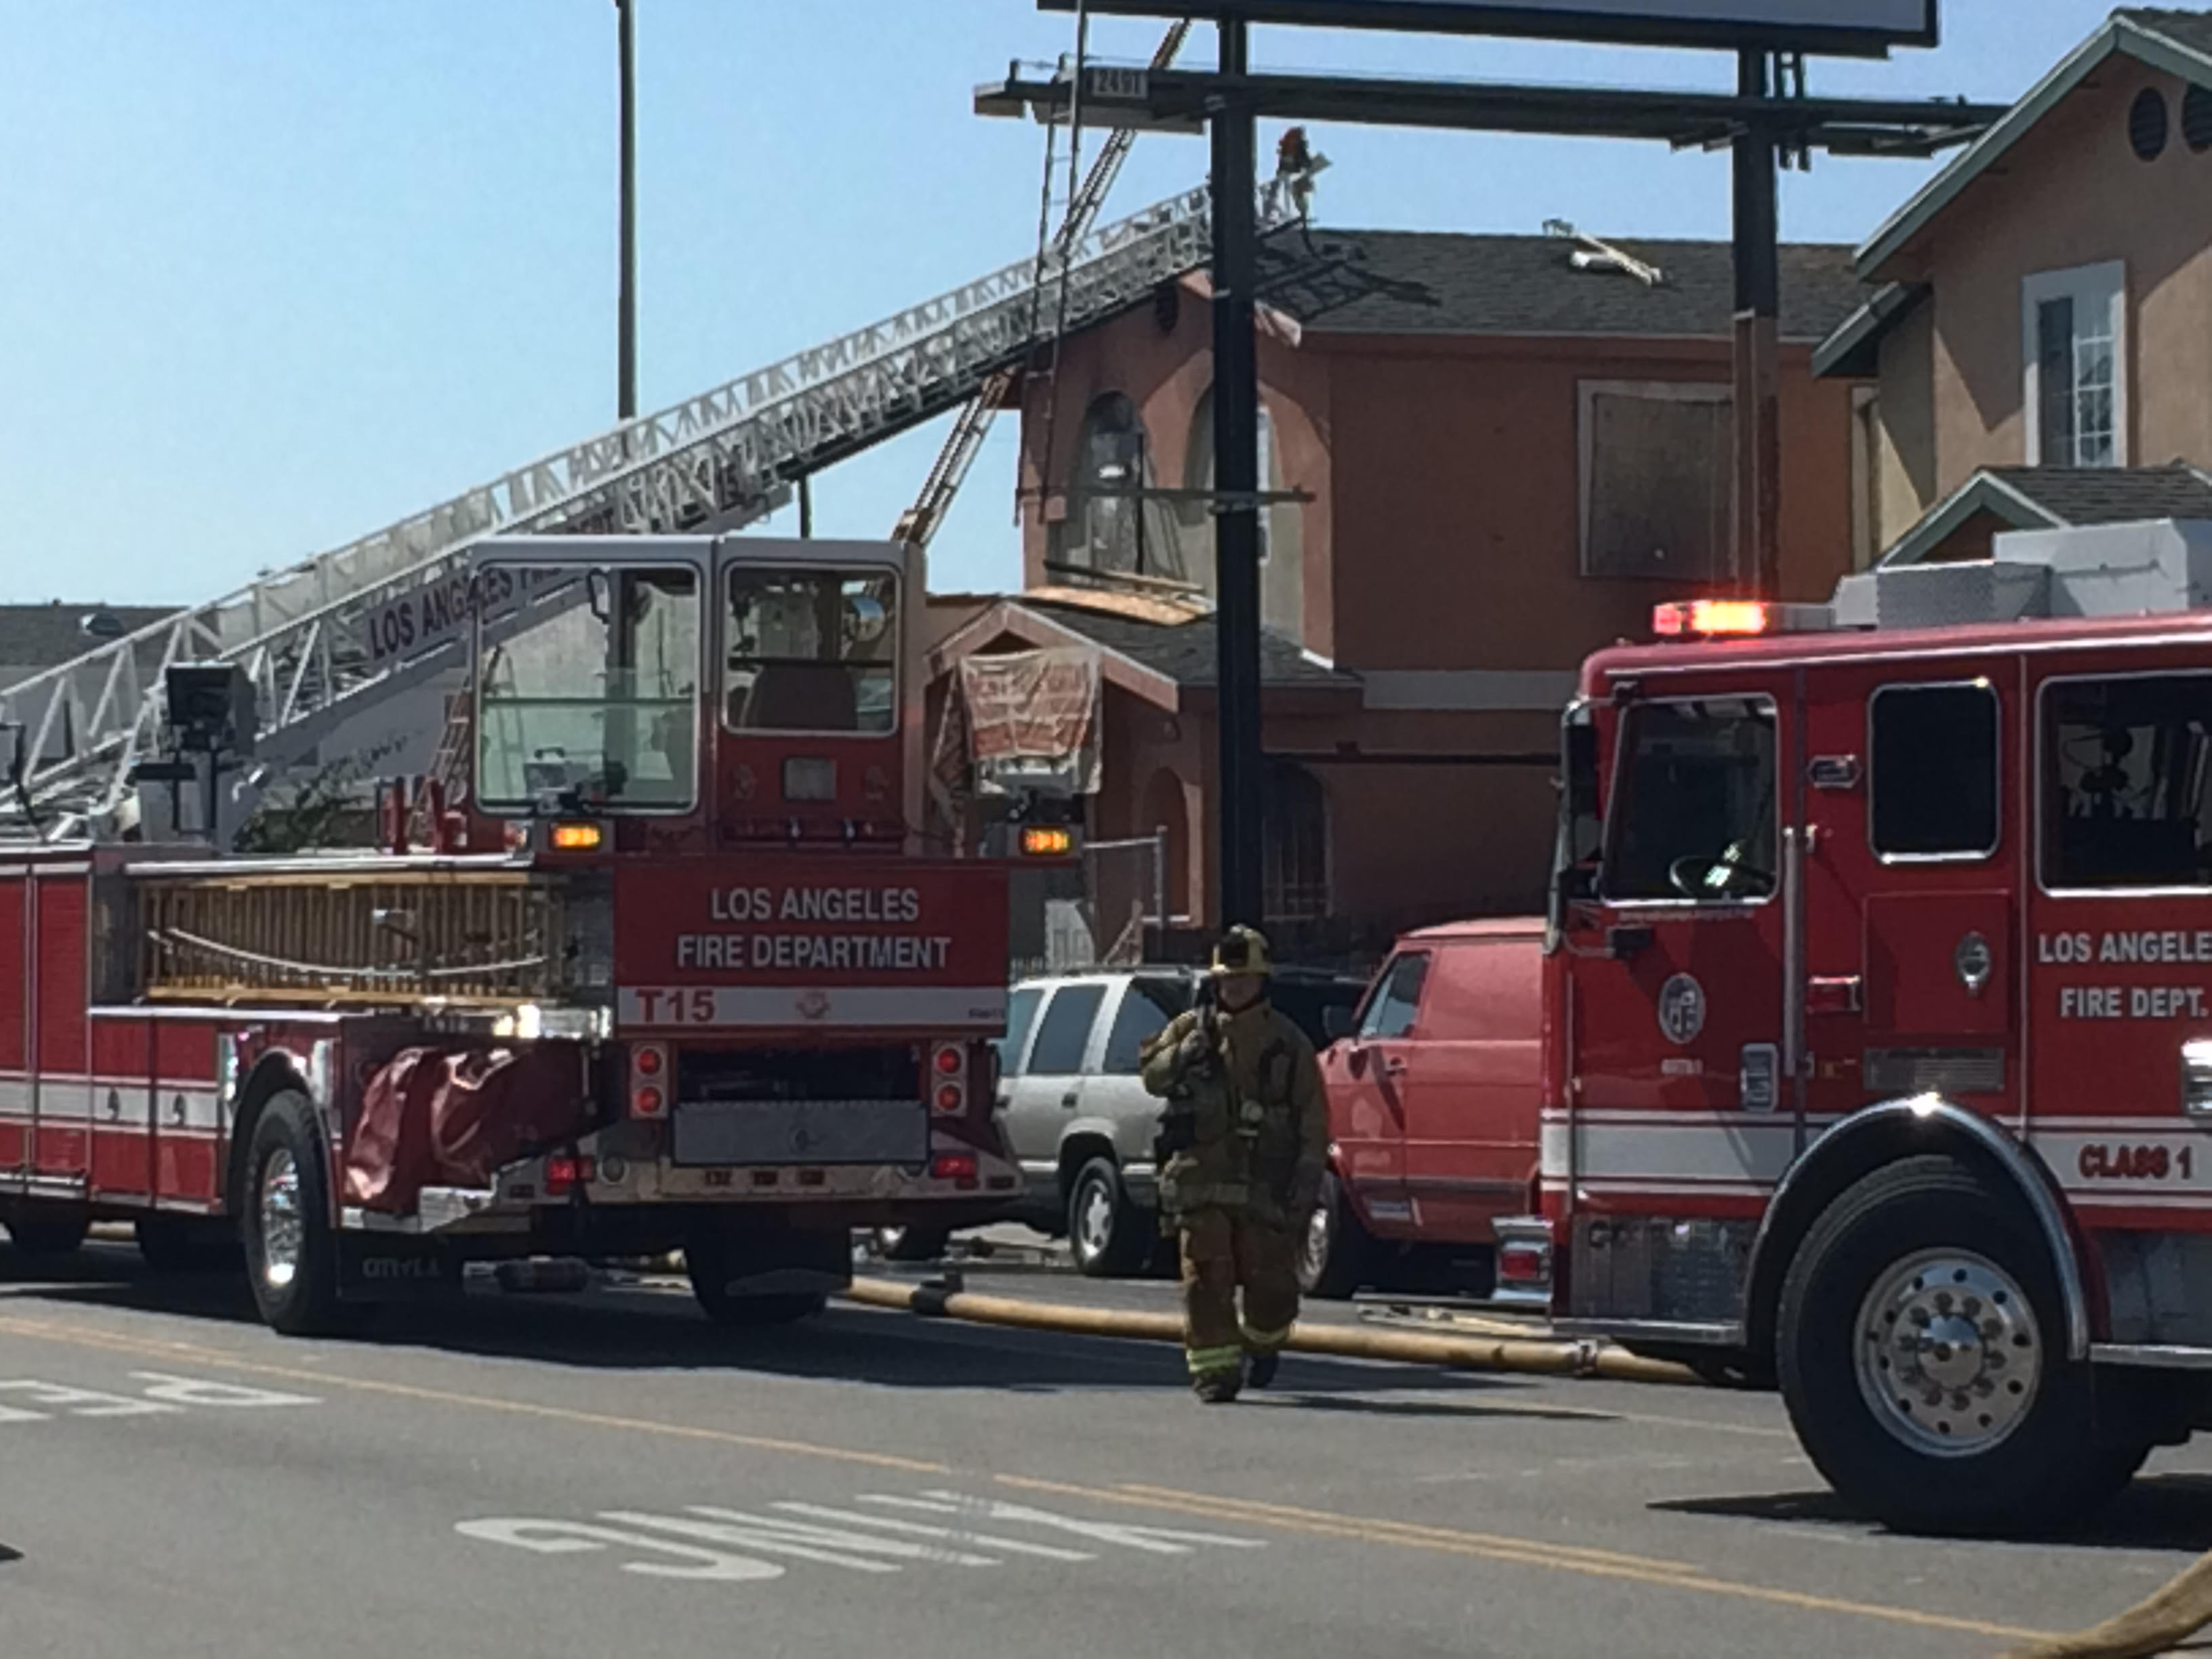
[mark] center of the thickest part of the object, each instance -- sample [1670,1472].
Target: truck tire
[1922,1357]
[705,1261]
[1336,1251]
[47,1236]
[291,1252]
[1106,1234]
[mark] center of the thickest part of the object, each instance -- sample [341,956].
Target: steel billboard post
[1756,415]
[1236,483]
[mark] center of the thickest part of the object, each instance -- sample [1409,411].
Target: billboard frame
[1527,19]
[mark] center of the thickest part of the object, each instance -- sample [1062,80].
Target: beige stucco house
[2043,308]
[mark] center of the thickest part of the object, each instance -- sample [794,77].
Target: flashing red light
[947,1060]
[1523,1264]
[950,1097]
[648,1101]
[953,1166]
[1711,617]
[563,1174]
[649,1061]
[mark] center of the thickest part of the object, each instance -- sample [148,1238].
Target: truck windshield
[588,688]
[1695,818]
[813,651]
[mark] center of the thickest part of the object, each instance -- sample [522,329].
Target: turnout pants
[1222,1251]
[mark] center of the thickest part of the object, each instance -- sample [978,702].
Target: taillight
[948,1070]
[958,1168]
[564,1174]
[648,1079]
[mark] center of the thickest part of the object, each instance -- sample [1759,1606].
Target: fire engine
[1878,1017]
[670,966]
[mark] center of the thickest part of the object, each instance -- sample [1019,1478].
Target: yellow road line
[1261,1509]
[1533,1553]
[484,1402]
[1280,1517]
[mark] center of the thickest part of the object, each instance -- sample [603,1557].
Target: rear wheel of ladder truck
[747,1278]
[1921,1347]
[291,1252]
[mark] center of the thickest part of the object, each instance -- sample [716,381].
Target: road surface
[609,1474]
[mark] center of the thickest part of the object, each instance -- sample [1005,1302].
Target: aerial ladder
[919,522]
[332,636]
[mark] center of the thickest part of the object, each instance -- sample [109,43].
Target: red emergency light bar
[1734,618]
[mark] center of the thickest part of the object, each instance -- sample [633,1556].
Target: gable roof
[2060,498]
[2178,42]
[1187,652]
[1429,283]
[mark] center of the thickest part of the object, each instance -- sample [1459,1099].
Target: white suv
[1074,1109]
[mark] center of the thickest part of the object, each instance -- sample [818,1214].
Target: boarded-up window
[1654,463]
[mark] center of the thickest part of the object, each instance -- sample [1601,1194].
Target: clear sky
[274,275]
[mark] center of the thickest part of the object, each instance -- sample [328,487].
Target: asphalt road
[610,1474]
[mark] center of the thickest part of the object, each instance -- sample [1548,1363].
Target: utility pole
[625,323]
[1757,519]
[1240,783]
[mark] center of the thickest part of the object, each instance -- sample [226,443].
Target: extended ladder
[317,639]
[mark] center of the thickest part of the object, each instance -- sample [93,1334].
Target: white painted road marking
[727,1545]
[162,1393]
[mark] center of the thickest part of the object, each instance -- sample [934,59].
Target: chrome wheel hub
[283,1226]
[1949,1353]
[1317,1242]
[1095,1219]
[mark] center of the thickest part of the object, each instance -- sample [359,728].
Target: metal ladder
[308,636]
[919,522]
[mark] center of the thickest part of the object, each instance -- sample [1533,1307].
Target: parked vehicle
[1434,1095]
[1074,1109]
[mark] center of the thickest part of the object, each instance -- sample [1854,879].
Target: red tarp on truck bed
[430,1118]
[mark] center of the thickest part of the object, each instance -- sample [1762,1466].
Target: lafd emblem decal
[1681,1009]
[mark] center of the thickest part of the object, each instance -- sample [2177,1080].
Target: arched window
[1199,469]
[1294,866]
[1105,526]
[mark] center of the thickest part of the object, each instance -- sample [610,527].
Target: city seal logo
[1681,1010]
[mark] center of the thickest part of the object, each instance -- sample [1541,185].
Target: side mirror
[1335,1021]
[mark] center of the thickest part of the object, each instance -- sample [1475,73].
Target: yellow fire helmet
[1242,950]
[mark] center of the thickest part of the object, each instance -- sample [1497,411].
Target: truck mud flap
[382,1267]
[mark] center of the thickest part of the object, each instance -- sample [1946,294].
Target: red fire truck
[674,971]
[1879,1016]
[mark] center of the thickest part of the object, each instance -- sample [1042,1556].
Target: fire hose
[1469,1354]
[2157,1623]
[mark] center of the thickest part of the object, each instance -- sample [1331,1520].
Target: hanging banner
[1031,720]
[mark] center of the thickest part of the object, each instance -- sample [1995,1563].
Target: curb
[1526,1356]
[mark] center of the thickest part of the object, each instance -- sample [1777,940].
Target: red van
[1432,1110]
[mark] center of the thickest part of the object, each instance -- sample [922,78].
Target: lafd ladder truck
[1879,1016]
[671,967]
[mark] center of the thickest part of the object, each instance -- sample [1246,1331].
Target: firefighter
[1243,1142]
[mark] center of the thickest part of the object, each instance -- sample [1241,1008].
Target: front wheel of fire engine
[1922,1357]
[1106,1233]
[291,1254]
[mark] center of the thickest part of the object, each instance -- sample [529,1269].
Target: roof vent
[1596,255]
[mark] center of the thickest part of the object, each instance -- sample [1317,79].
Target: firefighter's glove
[1196,1052]
[1305,1194]
[1178,1132]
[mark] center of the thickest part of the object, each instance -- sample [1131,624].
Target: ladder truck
[672,967]
[1878,1014]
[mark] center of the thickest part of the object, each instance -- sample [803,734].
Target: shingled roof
[1431,283]
[36,637]
[1186,652]
[2060,498]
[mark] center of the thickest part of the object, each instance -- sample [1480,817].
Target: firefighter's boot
[1261,1371]
[1217,1388]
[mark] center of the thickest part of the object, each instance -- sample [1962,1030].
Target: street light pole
[626,394]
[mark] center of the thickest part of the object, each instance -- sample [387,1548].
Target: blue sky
[276,275]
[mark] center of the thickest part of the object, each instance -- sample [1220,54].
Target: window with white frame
[2073,352]
[1655,480]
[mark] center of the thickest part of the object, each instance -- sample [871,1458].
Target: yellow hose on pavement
[2158,1623]
[1467,1353]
